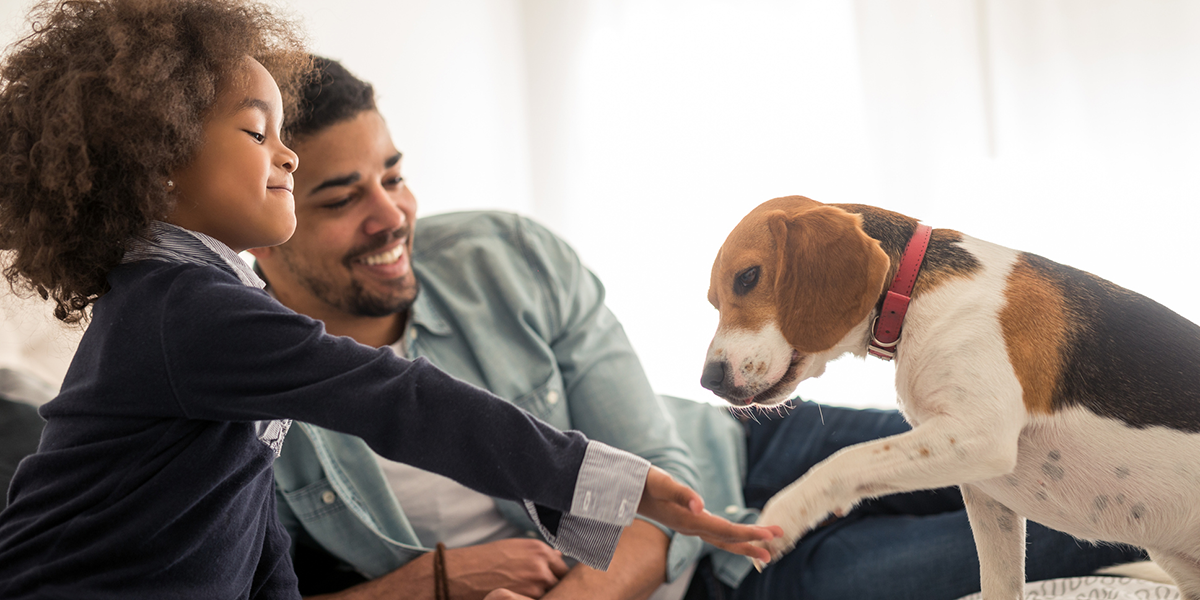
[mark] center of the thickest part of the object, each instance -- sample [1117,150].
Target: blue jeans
[905,546]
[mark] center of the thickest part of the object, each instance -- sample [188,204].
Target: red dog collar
[885,331]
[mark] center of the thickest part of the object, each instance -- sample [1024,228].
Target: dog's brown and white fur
[1043,391]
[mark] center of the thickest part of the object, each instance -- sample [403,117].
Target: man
[499,301]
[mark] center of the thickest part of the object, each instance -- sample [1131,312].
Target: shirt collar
[164,241]
[426,314]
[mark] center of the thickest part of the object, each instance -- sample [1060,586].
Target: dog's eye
[745,281]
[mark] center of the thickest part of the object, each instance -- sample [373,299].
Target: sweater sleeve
[232,353]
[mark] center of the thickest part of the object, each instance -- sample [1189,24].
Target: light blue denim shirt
[507,306]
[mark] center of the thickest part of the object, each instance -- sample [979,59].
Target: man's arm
[607,391]
[505,595]
[529,568]
[638,568]
[525,566]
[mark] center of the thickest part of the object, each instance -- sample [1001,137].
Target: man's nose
[713,377]
[385,214]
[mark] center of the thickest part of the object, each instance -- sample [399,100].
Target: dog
[1042,391]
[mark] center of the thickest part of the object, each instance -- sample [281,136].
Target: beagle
[1042,391]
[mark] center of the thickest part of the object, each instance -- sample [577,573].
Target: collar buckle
[878,349]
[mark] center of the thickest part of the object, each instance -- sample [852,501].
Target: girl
[140,150]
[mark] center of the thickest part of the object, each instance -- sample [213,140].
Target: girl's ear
[829,275]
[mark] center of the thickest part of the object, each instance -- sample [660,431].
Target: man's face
[350,255]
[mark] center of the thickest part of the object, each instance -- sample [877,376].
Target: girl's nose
[290,160]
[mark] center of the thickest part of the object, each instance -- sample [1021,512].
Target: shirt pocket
[547,402]
[315,501]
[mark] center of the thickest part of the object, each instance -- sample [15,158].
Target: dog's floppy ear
[828,277]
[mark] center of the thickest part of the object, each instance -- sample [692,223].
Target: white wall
[642,130]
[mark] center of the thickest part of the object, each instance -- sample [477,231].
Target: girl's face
[238,186]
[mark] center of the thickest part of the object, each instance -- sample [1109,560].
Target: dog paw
[777,547]
[794,525]
[796,516]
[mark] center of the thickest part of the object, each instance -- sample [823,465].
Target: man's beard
[353,298]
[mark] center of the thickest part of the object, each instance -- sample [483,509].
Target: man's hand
[524,566]
[681,508]
[505,595]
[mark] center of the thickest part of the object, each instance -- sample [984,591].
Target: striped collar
[164,241]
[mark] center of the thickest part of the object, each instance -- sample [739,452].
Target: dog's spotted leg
[941,451]
[1000,540]
[1183,569]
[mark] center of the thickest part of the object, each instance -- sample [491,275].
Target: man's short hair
[331,95]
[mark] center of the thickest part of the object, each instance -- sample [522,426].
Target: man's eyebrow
[339,181]
[344,180]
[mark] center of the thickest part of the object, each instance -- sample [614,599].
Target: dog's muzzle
[714,379]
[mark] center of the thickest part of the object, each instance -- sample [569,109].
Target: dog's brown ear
[828,276]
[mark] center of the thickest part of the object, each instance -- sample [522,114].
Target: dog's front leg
[1000,541]
[940,452]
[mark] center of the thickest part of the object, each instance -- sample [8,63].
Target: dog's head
[792,281]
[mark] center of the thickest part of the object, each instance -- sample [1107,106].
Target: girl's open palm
[679,507]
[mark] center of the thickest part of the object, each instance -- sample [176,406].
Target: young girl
[140,150]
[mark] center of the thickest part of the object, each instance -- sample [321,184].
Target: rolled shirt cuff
[607,493]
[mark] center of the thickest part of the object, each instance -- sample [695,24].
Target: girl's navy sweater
[153,479]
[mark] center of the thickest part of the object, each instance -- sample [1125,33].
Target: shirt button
[732,509]
[328,497]
[552,397]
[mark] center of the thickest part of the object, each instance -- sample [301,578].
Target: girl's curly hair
[97,106]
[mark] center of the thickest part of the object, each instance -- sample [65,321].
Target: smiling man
[494,299]
[352,273]
[499,301]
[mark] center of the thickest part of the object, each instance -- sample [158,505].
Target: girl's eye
[258,137]
[394,181]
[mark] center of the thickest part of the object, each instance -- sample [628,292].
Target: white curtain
[643,130]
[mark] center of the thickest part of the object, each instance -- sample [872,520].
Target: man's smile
[386,257]
[386,263]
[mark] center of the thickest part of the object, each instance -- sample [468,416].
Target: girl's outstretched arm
[681,508]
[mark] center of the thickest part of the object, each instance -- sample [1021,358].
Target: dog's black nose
[713,377]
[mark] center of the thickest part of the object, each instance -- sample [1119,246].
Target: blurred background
[643,130]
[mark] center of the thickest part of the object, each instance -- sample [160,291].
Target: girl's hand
[679,507]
